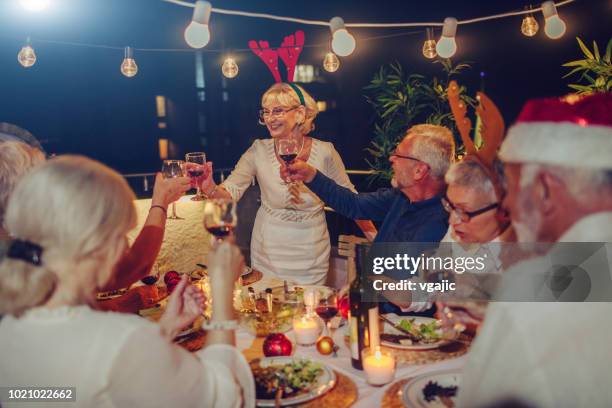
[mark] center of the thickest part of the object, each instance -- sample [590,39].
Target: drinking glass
[173,169]
[327,308]
[195,163]
[220,217]
[287,149]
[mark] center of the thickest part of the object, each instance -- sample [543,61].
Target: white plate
[325,382]
[387,328]
[247,270]
[412,392]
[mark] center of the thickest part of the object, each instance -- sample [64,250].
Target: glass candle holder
[307,329]
[378,365]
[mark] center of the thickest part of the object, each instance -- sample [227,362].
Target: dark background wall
[76,100]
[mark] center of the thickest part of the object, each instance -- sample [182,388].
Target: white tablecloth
[368,396]
[186,241]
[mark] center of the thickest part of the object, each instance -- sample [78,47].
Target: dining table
[367,395]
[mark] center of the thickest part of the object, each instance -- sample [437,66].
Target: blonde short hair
[76,209]
[16,159]
[433,145]
[287,97]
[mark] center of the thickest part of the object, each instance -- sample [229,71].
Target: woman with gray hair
[475,212]
[476,218]
[16,159]
[67,240]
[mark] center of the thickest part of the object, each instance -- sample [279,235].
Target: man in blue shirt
[412,210]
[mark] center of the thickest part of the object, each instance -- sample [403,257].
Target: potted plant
[595,71]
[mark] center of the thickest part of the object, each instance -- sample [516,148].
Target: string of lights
[197,34]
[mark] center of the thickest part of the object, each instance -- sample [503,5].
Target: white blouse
[260,161]
[117,360]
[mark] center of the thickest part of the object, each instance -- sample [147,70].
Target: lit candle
[379,367]
[306,329]
[310,299]
[373,326]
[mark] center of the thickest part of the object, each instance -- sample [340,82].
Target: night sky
[75,99]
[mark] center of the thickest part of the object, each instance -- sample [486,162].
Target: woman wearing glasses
[290,240]
[475,212]
[476,218]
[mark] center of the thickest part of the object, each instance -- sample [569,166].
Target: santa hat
[573,131]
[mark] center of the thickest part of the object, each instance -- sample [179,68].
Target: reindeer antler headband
[289,52]
[492,130]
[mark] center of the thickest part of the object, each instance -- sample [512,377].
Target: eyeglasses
[401,156]
[465,216]
[276,113]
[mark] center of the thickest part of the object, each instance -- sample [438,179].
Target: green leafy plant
[595,71]
[401,101]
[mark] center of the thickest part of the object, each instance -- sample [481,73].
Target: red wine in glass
[288,158]
[326,312]
[195,173]
[149,280]
[220,231]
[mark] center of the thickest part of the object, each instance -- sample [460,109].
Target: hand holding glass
[195,164]
[173,169]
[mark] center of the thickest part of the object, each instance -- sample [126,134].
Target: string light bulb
[429,46]
[229,68]
[343,43]
[27,56]
[128,66]
[35,5]
[447,46]
[529,26]
[331,63]
[554,27]
[197,33]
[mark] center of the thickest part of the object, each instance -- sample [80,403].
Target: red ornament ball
[344,306]
[277,344]
[171,276]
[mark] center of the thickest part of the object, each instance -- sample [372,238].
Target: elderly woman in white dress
[69,218]
[290,240]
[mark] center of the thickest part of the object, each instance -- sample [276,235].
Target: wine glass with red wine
[220,217]
[327,308]
[287,149]
[195,162]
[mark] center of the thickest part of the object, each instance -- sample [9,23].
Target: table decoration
[378,365]
[307,328]
[277,344]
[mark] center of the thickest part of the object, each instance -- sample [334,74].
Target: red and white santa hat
[573,131]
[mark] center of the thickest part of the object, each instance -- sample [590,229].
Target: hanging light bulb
[229,68]
[128,66]
[429,46]
[197,34]
[343,43]
[35,5]
[529,26]
[27,56]
[446,46]
[331,63]
[554,27]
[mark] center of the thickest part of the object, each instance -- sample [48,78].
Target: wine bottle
[360,306]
